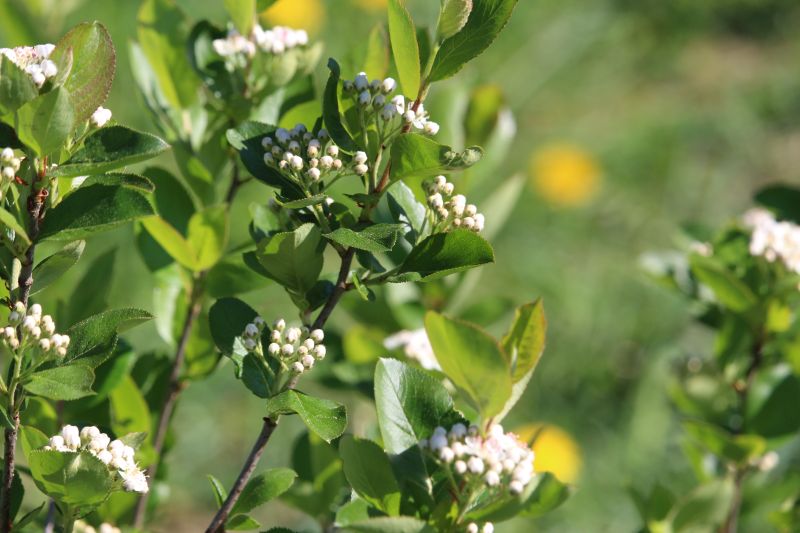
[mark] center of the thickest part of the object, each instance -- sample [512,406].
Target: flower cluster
[34,60]
[415,345]
[9,164]
[451,211]
[100,117]
[118,456]
[773,239]
[300,154]
[278,40]
[82,527]
[497,459]
[297,348]
[38,331]
[376,96]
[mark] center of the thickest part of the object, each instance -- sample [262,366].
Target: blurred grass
[684,107]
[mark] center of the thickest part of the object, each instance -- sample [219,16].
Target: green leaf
[442,254]
[68,382]
[111,148]
[704,509]
[208,235]
[54,266]
[77,479]
[228,318]
[92,209]
[524,343]
[326,418]
[171,241]
[133,181]
[375,238]
[772,390]
[542,495]
[730,291]
[256,376]
[129,410]
[414,155]
[10,222]
[99,329]
[232,276]
[94,63]
[739,449]
[376,62]
[331,113]
[220,494]
[410,404]
[46,122]
[472,360]
[486,20]
[453,17]
[163,34]
[405,49]
[783,200]
[303,202]
[246,138]
[293,259]
[263,488]
[368,470]
[241,522]
[387,524]
[31,438]
[16,87]
[243,14]
[404,207]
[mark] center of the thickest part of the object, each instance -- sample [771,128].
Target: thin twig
[218,522]
[174,389]
[25,282]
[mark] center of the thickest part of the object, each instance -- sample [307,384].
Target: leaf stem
[175,386]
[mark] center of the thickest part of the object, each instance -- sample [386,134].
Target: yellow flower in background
[371,5]
[555,451]
[565,175]
[298,14]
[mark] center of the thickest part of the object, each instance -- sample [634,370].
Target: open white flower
[100,117]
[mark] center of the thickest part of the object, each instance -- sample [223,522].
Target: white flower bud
[72,437]
[447,455]
[38,78]
[379,101]
[282,135]
[435,200]
[57,443]
[309,344]
[35,310]
[100,117]
[314,174]
[298,367]
[347,86]
[8,173]
[294,147]
[249,344]
[361,170]
[475,465]
[44,344]
[488,527]
[470,210]
[266,142]
[399,103]
[9,332]
[360,157]
[431,128]
[388,85]
[492,478]
[364,99]
[337,164]
[99,442]
[409,116]
[274,348]
[16,163]
[293,334]
[319,351]
[317,335]
[460,467]
[287,349]
[472,528]
[279,324]
[458,431]
[308,361]
[468,222]
[322,135]
[90,432]
[277,151]
[251,330]
[269,159]
[516,487]
[361,82]
[7,155]
[105,456]
[437,442]
[326,162]
[297,162]
[458,204]
[479,221]
[388,112]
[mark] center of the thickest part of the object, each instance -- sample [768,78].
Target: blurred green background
[633,117]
